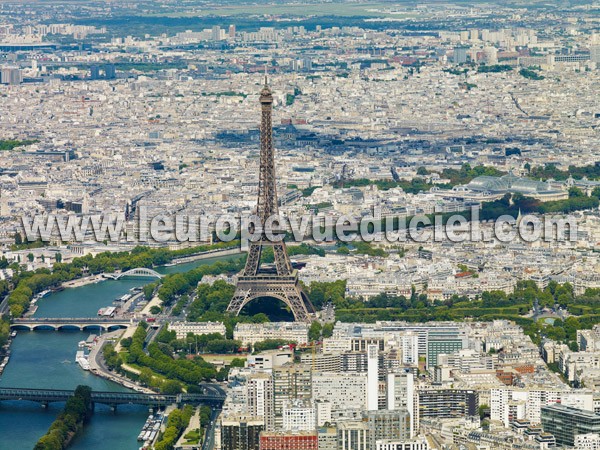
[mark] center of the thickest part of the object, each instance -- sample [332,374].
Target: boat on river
[81,357]
[151,428]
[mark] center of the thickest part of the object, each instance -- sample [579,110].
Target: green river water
[46,359]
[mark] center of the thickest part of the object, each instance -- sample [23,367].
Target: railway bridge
[211,396]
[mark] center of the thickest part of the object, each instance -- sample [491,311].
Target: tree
[30,257]
[18,239]
[314,332]
[575,192]
[343,250]
[149,290]
[556,332]
[49,442]
[237,362]
[260,318]
[463,268]
[327,330]
[270,344]
[483,411]
[222,346]
[222,373]
[171,387]
[155,309]
[573,346]
[422,171]
[58,257]
[145,376]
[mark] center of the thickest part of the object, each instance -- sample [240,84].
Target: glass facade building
[565,422]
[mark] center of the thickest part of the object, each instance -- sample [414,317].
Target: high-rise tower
[280,282]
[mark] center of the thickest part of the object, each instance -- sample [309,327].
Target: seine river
[46,359]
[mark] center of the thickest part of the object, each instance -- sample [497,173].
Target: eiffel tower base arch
[288,291]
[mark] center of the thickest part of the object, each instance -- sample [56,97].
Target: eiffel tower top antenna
[266,100]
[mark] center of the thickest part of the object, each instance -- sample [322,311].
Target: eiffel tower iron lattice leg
[281,281]
[288,291]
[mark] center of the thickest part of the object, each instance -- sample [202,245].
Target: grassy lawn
[158,377]
[225,358]
[193,436]
[10,144]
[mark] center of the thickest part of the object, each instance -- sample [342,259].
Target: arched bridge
[45,396]
[65,323]
[139,272]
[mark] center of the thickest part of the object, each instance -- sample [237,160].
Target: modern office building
[353,435]
[409,343]
[327,438]
[216,33]
[299,415]
[344,391]
[372,377]
[565,423]
[290,382]
[460,55]
[443,341]
[595,53]
[385,424]
[95,72]
[354,362]
[240,432]
[260,398]
[447,403]
[401,395]
[11,75]
[361,344]
[510,404]
[323,362]
[110,72]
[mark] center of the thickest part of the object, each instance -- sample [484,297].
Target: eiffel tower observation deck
[256,281]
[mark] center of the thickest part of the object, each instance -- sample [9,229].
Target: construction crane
[314,346]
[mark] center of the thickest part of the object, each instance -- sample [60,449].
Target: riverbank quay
[98,367]
[207,255]
[78,282]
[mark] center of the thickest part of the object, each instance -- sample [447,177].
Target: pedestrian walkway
[128,333]
[156,301]
[97,366]
[193,425]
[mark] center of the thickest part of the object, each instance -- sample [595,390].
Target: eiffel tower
[280,282]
